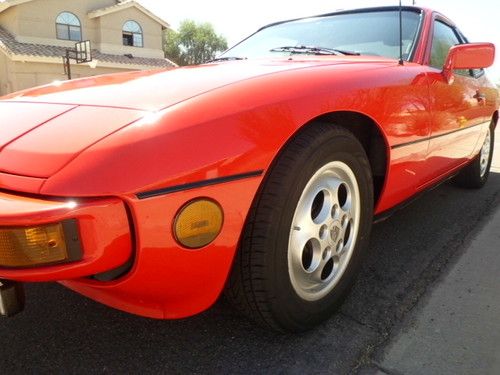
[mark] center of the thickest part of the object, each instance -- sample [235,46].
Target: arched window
[132,34]
[68,27]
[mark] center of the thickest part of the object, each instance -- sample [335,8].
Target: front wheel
[307,231]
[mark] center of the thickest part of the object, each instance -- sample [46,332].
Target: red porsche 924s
[258,174]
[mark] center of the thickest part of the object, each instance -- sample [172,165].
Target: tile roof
[9,44]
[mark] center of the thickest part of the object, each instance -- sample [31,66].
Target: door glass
[443,39]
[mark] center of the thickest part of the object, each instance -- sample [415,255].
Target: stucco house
[34,35]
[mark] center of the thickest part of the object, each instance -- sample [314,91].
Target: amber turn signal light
[39,245]
[198,223]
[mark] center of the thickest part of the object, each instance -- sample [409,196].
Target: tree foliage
[193,44]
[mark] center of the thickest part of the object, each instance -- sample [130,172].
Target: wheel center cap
[335,232]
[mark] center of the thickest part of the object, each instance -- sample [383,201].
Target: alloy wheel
[323,231]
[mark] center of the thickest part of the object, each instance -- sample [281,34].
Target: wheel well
[370,136]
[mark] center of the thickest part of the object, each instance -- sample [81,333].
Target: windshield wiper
[313,50]
[226,58]
[349,53]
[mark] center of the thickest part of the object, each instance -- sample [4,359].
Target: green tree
[193,43]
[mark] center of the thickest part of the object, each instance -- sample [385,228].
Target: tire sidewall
[484,178]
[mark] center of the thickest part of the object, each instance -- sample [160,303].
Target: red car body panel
[56,142]
[101,144]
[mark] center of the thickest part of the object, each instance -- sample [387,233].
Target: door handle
[480,97]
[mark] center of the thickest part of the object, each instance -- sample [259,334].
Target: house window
[132,34]
[68,27]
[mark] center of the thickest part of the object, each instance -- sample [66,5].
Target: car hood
[155,90]
[38,139]
[45,128]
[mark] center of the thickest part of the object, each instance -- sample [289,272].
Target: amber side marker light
[198,223]
[40,245]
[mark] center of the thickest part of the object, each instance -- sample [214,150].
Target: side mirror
[468,56]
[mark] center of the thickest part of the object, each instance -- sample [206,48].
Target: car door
[457,107]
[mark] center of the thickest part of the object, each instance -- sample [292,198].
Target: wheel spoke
[306,227]
[324,271]
[339,247]
[298,240]
[316,275]
[336,210]
[345,219]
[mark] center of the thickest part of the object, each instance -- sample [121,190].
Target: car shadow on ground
[61,330]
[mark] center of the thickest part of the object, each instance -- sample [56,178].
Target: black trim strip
[435,136]
[194,185]
[72,237]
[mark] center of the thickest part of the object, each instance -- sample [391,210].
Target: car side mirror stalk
[468,56]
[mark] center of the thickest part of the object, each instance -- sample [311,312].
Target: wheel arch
[373,141]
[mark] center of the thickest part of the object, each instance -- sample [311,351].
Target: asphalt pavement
[412,256]
[455,328]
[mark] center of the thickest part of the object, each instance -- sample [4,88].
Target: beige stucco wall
[17,75]
[9,20]
[6,85]
[34,22]
[111,34]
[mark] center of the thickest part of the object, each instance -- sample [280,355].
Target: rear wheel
[475,175]
[307,231]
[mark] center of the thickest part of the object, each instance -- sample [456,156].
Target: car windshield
[365,33]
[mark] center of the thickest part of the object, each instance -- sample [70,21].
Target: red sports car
[258,174]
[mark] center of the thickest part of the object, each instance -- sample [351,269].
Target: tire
[297,258]
[475,175]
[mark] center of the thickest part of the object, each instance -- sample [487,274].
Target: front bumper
[165,280]
[102,225]
[168,281]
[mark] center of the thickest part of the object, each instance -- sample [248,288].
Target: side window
[443,39]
